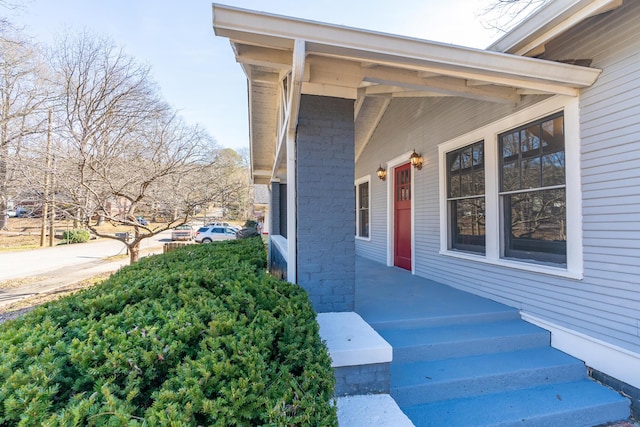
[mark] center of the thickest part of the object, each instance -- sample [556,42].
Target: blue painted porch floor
[463,360]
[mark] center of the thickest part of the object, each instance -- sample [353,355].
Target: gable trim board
[489,134]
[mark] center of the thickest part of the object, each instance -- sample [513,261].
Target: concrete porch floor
[393,301]
[389,295]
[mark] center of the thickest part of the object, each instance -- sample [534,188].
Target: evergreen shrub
[75,236]
[199,336]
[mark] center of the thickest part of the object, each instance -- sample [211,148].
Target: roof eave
[548,22]
[395,50]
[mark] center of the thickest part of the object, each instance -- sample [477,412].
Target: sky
[196,70]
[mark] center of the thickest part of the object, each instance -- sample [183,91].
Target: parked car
[183,232]
[223,224]
[210,233]
[140,220]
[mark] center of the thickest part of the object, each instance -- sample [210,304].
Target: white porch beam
[446,85]
[372,125]
[265,57]
[404,52]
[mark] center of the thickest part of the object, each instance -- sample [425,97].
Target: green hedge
[76,236]
[199,336]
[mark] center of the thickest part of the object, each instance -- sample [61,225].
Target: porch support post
[293,102]
[325,202]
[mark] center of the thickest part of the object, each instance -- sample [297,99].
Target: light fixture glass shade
[382,173]
[416,160]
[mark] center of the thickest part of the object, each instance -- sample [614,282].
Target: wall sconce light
[416,160]
[382,173]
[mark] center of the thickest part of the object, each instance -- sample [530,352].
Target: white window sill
[516,265]
[364,239]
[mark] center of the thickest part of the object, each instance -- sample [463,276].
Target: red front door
[402,217]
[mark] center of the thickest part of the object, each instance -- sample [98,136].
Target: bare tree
[123,151]
[502,15]
[23,102]
[230,181]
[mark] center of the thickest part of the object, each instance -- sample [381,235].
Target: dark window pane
[465,158]
[465,181]
[510,145]
[531,173]
[454,186]
[553,169]
[478,156]
[530,139]
[364,223]
[510,177]
[553,135]
[478,182]
[363,209]
[535,225]
[364,195]
[468,222]
[454,162]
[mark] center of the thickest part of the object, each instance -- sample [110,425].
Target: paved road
[40,261]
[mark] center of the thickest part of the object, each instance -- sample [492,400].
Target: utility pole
[52,217]
[47,176]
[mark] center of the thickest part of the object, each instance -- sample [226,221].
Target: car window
[217,230]
[202,229]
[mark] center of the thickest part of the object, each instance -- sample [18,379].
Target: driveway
[39,261]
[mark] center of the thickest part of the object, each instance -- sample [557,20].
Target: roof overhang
[369,67]
[530,36]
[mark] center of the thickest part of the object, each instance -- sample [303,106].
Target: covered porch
[460,359]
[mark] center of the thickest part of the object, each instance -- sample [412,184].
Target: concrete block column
[325,205]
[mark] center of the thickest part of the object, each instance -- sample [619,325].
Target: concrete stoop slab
[351,341]
[378,410]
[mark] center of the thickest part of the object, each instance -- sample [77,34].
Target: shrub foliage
[198,336]
[76,236]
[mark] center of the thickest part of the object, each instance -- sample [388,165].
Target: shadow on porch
[463,360]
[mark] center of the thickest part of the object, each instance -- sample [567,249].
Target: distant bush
[76,236]
[251,224]
[198,336]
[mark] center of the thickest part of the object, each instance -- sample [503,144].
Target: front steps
[491,370]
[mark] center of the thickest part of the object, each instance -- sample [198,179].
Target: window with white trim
[532,191]
[532,194]
[465,197]
[362,208]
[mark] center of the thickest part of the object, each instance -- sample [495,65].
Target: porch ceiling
[369,67]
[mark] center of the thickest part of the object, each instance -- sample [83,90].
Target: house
[509,173]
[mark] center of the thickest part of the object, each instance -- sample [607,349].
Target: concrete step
[494,313]
[429,381]
[461,340]
[581,403]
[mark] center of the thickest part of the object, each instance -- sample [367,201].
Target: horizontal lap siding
[606,303]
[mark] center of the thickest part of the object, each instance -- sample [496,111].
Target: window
[465,197]
[531,208]
[362,208]
[532,191]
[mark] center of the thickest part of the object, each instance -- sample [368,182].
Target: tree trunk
[4,150]
[134,253]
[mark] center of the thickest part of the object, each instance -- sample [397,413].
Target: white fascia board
[393,50]
[547,22]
